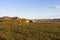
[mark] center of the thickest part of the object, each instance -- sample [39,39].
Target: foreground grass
[38,31]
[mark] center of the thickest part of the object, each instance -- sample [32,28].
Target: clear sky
[30,8]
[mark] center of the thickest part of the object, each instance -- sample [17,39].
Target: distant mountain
[47,20]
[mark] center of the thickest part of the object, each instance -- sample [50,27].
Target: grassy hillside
[38,31]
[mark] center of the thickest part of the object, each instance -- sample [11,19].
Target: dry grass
[37,31]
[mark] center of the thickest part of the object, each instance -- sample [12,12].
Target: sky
[30,9]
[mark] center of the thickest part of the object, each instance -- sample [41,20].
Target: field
[37,31]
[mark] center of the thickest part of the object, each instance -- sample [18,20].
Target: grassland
[37,31]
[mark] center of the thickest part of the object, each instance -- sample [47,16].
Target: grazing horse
[32,21]
[1,21]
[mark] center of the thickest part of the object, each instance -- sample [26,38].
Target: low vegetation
[38,31]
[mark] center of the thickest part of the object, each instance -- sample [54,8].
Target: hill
[11,29]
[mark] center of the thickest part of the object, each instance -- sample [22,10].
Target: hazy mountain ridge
[48,20]
[35,20]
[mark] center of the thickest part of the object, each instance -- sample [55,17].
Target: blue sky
[30,8]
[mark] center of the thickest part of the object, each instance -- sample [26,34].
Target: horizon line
[50,17]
